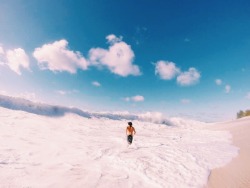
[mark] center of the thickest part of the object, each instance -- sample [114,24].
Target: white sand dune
[75,151]
[237,173]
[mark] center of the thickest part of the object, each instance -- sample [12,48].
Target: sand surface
[237,173]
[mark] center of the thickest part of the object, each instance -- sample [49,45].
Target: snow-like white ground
[75,151]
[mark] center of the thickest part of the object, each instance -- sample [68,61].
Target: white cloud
[248,95]
[187,40]
[113,39]
[137,98]
[118,58]
[227,88]
[218,82]
[95,83]
[189,77]
[17,58]
[57,57]
[185,101]
[166,70]
[63,92]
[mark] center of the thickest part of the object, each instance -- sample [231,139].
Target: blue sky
[180,58]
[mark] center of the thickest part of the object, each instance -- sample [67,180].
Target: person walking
[130,131]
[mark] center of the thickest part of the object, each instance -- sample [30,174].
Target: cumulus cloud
[113,39]
[166,70]
[189,77]
[58,58]
[118,58]
[218,82]
[227,88]
[17,59]
[95,83]
[137,98]
[14,59]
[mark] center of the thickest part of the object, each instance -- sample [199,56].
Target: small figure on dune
[130,131]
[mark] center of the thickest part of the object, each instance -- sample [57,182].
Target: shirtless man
[130,131]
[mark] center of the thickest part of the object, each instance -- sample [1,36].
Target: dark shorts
[130,139]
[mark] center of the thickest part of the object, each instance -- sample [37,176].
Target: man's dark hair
[130,123]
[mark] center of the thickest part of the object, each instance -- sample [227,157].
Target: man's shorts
[130,139]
